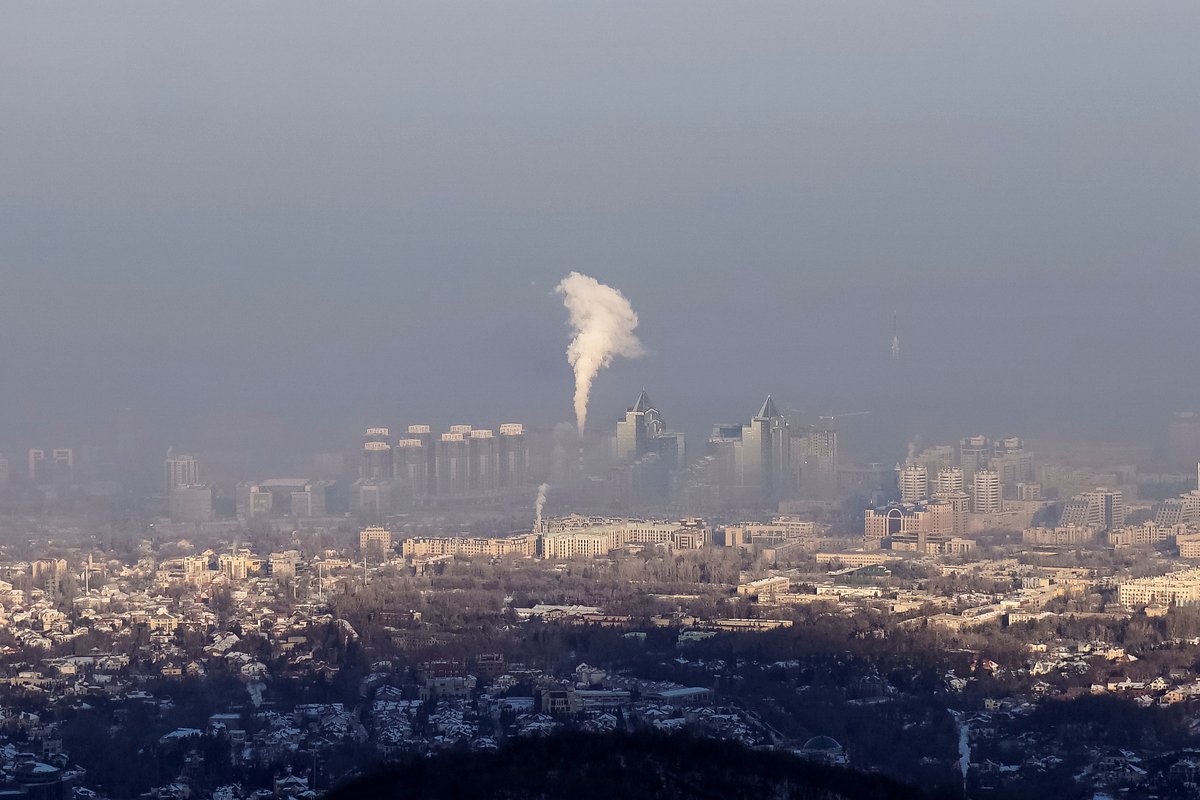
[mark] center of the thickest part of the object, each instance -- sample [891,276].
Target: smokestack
[603,322]
[538,505]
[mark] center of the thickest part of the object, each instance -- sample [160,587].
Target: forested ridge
[639,766]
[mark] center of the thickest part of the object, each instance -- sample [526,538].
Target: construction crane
[832,417]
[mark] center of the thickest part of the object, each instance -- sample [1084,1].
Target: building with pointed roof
[647,456]
[643,404]
[643,431]
[768,410]
[754,460]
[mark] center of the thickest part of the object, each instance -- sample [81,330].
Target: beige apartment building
[1060,535]
[375,537]
[493,547]
[1173,589]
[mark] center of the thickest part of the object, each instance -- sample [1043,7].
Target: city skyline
[1045,208]
[599,400]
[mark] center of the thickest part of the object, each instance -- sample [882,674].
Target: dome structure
[822,743]
[825,749]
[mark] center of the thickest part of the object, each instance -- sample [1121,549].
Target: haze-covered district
[539,400]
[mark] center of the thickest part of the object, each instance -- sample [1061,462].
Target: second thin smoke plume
[539,506]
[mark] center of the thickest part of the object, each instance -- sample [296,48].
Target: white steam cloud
[538,505]
[603,322]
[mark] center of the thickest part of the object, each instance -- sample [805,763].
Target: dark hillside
[640,766]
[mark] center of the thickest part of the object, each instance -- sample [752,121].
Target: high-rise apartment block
[376,455]
[295,497]
[411,467]
[913,480]
[514,456]
[1182,510]
[423,466]
[1013,464]
[986,494]
[647,455]
[180,471]
[973,455]
[949,486]
[453,464]
[373,499]
[1028,491]
[949,481]
[1102,509]
[754,460]
[253,501]
[814,457]
[37,464]
[428,439]
[483,471]
[191,503]
[643,431]
[1006,457]
[55,465]
[937,458]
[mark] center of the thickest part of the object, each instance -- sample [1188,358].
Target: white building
[914,483]
[1175,588]
[765,589]
[949,481]
[986,492]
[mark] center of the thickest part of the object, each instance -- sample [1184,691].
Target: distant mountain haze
[322,217]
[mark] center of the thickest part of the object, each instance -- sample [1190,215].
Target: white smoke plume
[603,322]
[538,505]
[913,446]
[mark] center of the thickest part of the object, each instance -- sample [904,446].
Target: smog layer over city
[599,400]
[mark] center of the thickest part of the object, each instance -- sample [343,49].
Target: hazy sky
[357,211]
